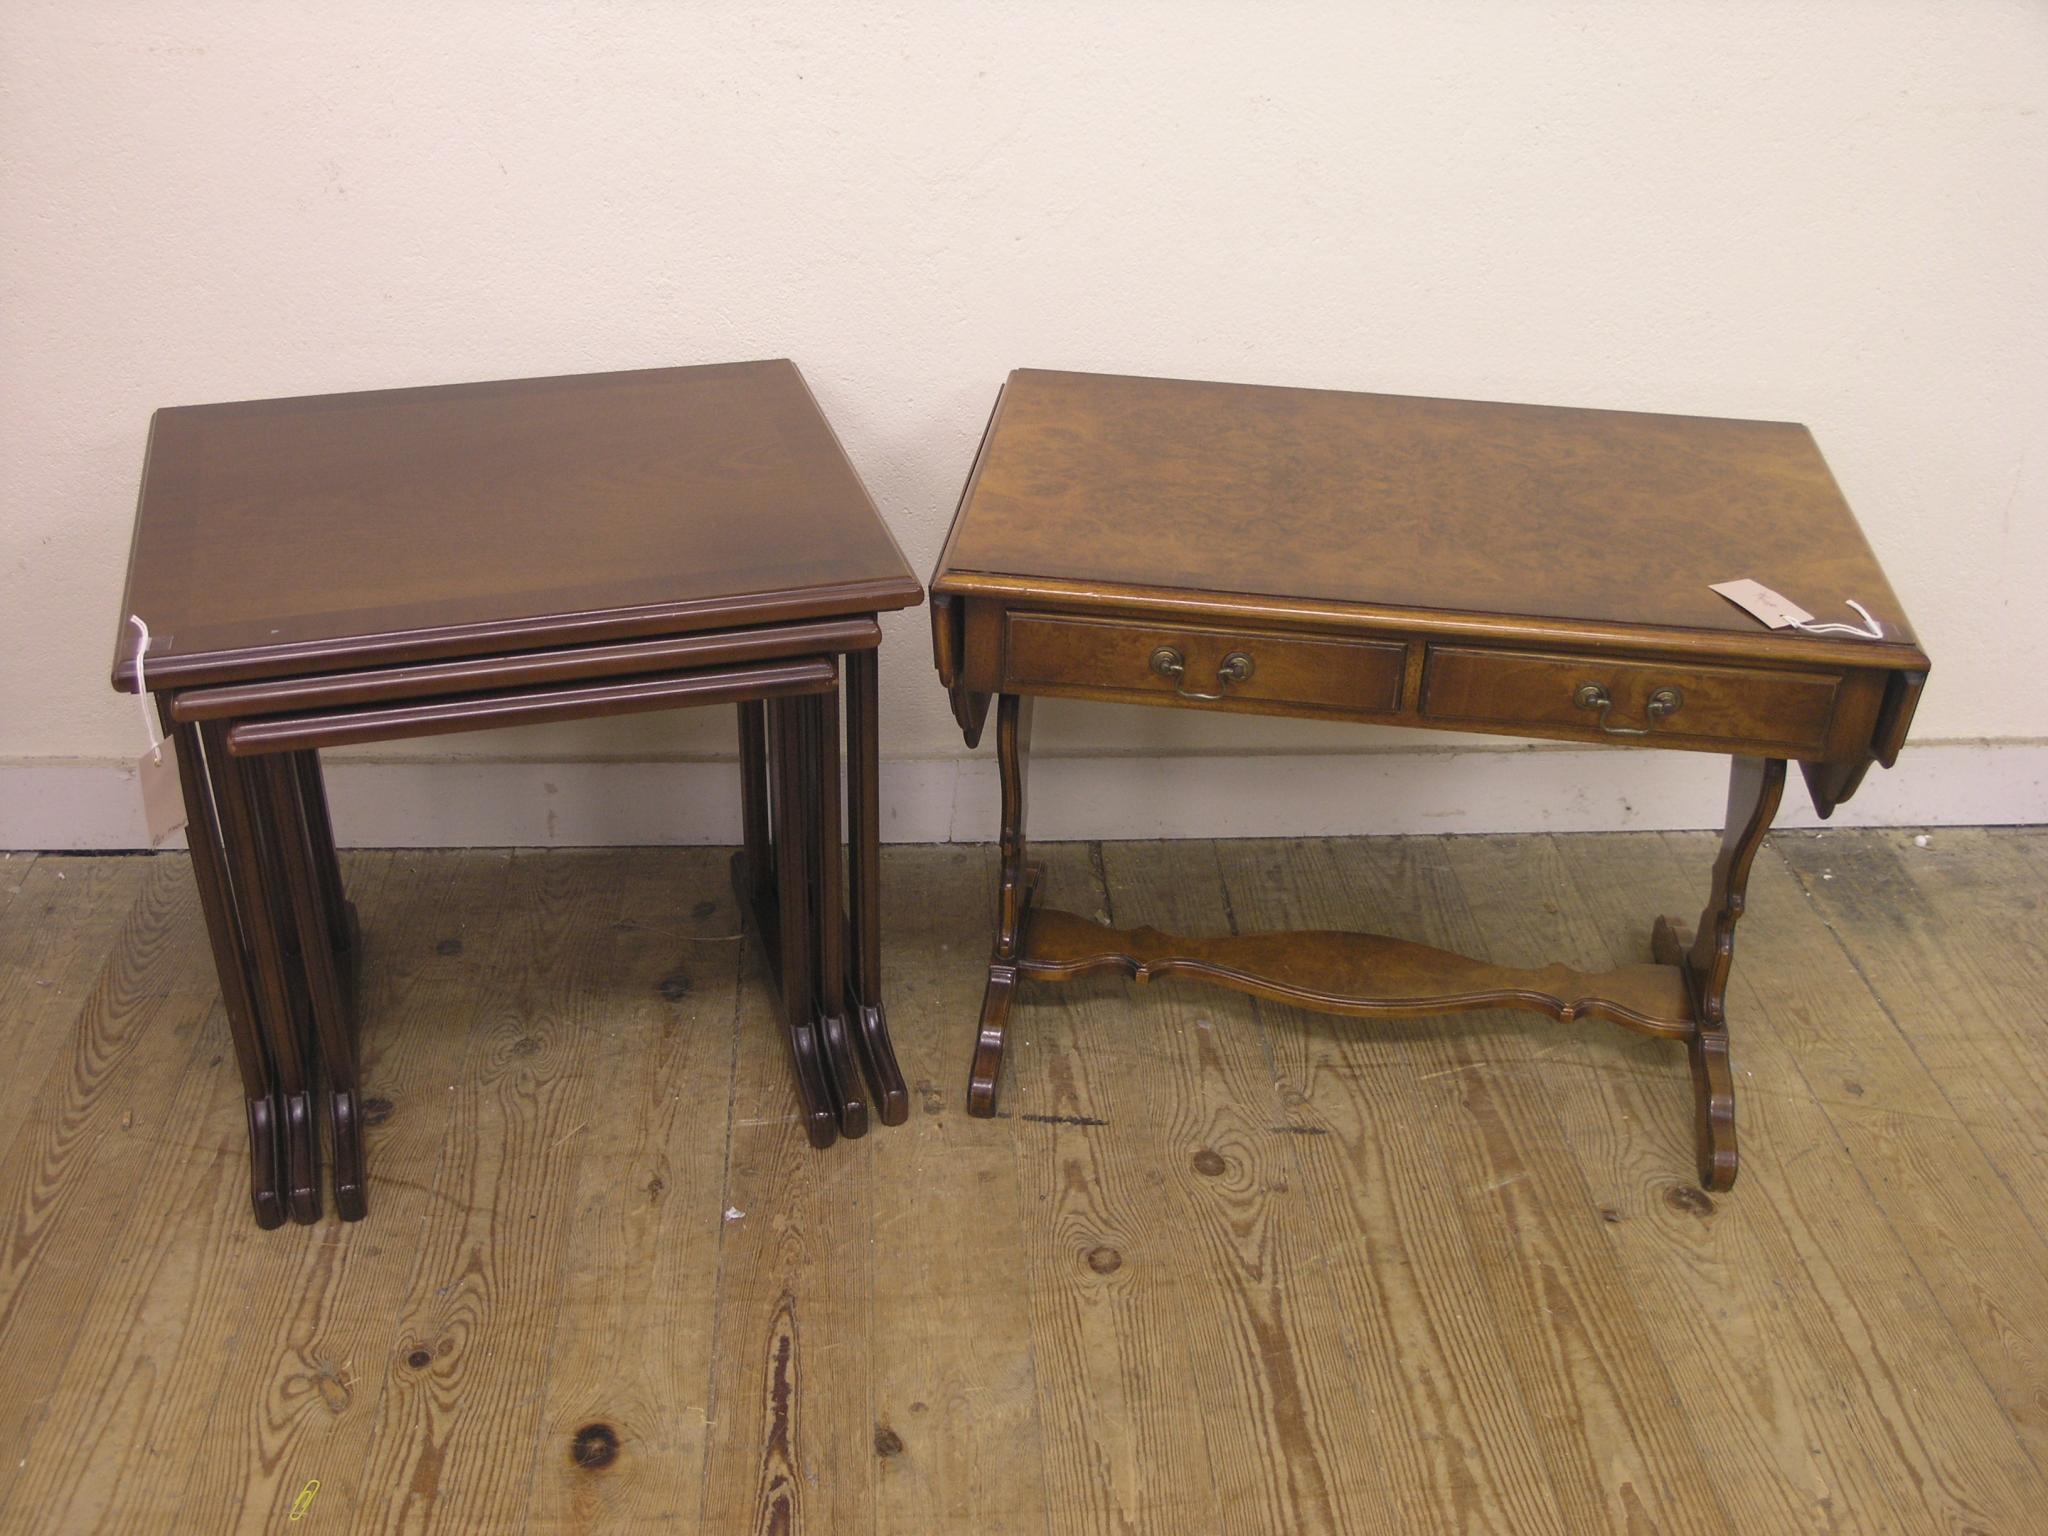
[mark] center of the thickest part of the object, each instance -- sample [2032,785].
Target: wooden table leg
[231,964]
[287,822]
[759,877]
[1755,785]
[864,882]
[342,922]
[260,902]
[1013,903]
[828,911]
[793,950]
[285,920]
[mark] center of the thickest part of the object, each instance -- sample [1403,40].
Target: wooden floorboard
[468,1365]
[1618,1447]
[1125,1435]
[959,1441]
[1454,1439]
[1947,972]
[623,1435]
[57,936]
[1718,1277]
[791,1442]
[306,1373]
[73,1163]
[1290,1440]
[1217,1265]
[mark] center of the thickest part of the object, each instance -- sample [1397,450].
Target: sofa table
[367,567]
[1520,570]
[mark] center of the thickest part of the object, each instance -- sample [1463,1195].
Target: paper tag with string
[163,801]
[1780,612]
[1771,607]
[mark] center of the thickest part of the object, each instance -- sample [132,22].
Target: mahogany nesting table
[1516,569]
[367,567]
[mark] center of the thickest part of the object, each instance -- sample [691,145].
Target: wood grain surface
[302,1396]
[455,1442]
[1219,1264]
[1299,1444]
[110,1079]
[1617,1449]
[790,1443]
[959,1436]
[1613,516]
[284,537]
[59,924]
[1126,1445]
[645,1229]
[1456,1441]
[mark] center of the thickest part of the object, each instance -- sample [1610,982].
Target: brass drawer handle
[1236,668]
[1664,703]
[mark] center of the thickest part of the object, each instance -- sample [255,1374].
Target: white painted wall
[1828,210]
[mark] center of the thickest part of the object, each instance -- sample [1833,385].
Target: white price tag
[163,802]
[1773,608]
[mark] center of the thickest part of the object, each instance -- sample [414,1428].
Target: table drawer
[1199,665]
[1599,697]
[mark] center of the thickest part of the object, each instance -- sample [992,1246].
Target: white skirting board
[468,802]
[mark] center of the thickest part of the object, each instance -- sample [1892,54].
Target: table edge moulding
[367,638]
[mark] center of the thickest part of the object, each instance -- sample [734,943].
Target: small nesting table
[369,567]
[1444,564]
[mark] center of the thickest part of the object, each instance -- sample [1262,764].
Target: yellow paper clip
[304,1501]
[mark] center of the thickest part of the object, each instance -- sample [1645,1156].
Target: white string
[1869,629]
[156,742]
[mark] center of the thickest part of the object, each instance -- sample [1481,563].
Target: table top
[1392,502]
[281,537]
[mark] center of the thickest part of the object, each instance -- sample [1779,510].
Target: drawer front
[1194,665]
[1599,697]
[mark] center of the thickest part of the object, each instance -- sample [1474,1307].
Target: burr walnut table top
[289,537]
[1517,570]
[1378,503]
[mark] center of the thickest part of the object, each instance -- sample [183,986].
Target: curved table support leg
[289,822]
[1755,785]
[828,891]
[1013,902]
[259,901]
[864,882]
[231,963]
[793,949]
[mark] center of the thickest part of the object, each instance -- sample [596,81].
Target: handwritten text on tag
[1773,608]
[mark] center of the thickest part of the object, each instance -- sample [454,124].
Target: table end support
[1015,887]
[1713,1075]
[1755,787]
